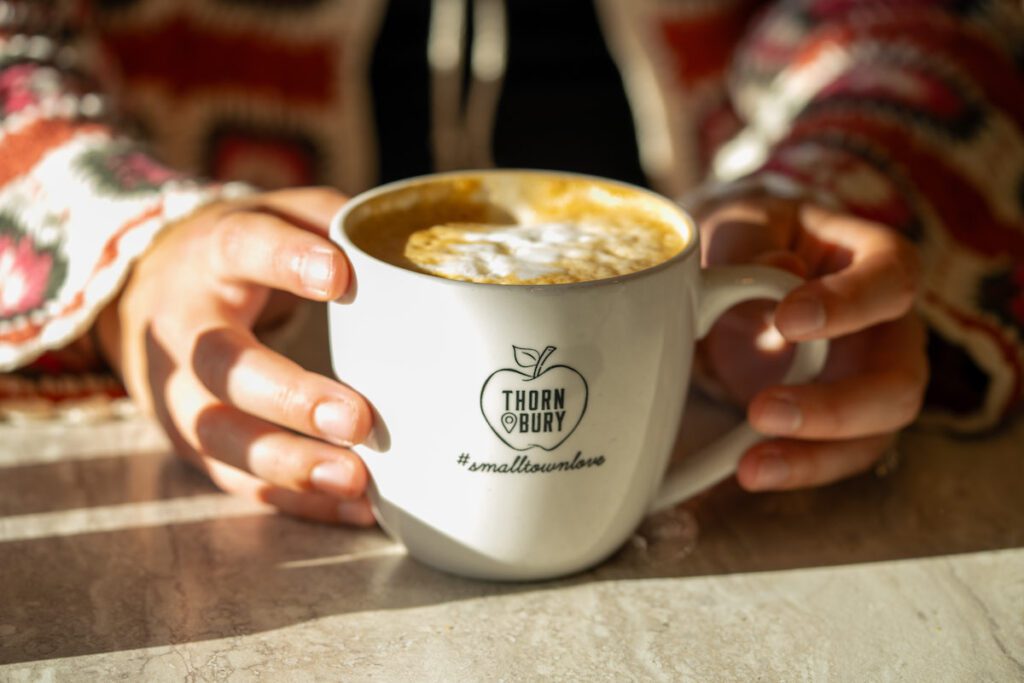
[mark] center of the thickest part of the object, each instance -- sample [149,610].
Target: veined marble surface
[117,562]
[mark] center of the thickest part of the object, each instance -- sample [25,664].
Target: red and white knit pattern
[907,113]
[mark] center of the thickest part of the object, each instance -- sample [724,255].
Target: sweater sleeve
[910,114]
[78,201]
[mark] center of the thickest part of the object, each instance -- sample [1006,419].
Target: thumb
[310,208]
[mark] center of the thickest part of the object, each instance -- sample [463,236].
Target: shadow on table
[144,586]
[106,479]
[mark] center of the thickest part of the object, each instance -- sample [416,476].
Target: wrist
[106,336]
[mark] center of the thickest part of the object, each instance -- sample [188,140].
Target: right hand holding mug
[861,282]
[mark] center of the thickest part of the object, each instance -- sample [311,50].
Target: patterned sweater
[909,113]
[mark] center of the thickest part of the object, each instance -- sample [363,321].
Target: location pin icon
[508,421]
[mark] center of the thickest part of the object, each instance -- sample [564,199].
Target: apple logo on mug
[538,407]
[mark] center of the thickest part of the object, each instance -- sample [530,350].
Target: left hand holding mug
[182,337]
[860,289]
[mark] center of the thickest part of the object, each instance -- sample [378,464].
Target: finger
[754,317]
[885,395]
[313,207]
[786,464]
[314,506]
[199,424]
[182,400]
[878,284]
[250,246]
[319,508]
[278,457]
[240,371]
[859,406]
[783,259]
[742,352]
[739,231]
[845,233]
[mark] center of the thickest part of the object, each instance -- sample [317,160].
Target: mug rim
[339,236]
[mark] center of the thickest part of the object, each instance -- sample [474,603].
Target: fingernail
[335,421]
[780,415]
[803,315]
[355,512]
[317,271]
[334,478]
[772,471]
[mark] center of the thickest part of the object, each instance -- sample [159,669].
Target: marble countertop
[118,562]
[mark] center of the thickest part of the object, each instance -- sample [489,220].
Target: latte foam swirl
[542,253]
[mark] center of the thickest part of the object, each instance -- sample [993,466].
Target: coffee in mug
[545,231]
[525,340]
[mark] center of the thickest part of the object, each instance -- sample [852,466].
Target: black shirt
[562,105]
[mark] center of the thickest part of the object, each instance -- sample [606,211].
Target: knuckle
[229,240]
[294,405]
[280,466]
[285,263]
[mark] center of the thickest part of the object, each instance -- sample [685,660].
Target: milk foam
[545,252]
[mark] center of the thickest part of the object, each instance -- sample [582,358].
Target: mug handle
[724,287]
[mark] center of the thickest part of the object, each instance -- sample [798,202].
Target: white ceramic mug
[522,432]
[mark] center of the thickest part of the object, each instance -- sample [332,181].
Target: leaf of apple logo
[540,406]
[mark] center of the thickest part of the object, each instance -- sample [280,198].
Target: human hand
[859,293]
[181,335]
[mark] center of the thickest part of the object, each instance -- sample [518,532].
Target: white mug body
[486,466]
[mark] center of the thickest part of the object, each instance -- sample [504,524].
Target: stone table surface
[118,562]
